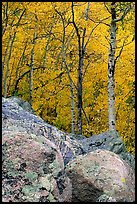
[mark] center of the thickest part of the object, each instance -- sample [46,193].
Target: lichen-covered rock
[105,198]
[101,172]
[27,138]
[16,117]
[33,170]
[23,104]
[109,141]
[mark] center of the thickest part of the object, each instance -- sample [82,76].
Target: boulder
[111,141]
[35,155]
[100,175]
[23,104]
[16,117]
[32,170]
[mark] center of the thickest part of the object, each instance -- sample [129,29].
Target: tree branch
[107,7]
[120,51]
[124,14]
[28,71]
[90,35]
[101,21]
[75,26]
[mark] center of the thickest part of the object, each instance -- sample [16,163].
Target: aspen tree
[112,63]
[81,51]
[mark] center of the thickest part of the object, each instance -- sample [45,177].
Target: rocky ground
[44,164]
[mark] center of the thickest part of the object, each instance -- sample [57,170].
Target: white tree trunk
[111,70]
[72,108]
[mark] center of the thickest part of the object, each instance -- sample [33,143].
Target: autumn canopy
[58,56]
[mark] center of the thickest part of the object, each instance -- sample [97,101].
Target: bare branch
[128,42]
[67,68]
[120,51]
[83,37]
[101,21]
[5,19]
[107,7]
[27,72]
[73,21]
[107,39]
[90,35]
[87,11]
[124,14]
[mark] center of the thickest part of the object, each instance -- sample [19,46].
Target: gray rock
[32,170]
[24,104]
[101,176]
[105,198]
[19,119]
[110,141]
[15,118]
[13,112]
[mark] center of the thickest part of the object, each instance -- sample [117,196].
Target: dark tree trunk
[79,85]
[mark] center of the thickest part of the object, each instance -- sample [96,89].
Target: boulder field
[43,164]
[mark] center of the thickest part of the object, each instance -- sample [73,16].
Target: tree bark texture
[70,80]
[111,71]
[79,85]
[81,50]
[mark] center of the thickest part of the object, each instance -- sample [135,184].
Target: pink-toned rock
[101,173]
[33,170]
[35,153]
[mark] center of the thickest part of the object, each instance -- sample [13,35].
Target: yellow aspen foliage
[51,92]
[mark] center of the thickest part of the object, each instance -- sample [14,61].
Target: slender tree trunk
[72,108]
[79,85]
[45,52]
[5,18]
[31,69]
[111,64]
[4,60]
[111,71]
[10,52]
[21,60]
[46,48]
[79,82]
[31,75]
[8,66]
[81,50]
[70,80]
[72,96]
